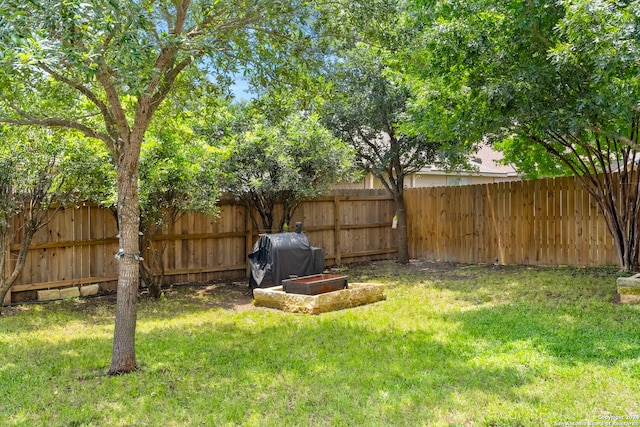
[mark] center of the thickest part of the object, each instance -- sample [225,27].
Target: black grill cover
[277,256]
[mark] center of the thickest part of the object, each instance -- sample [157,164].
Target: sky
[240,90]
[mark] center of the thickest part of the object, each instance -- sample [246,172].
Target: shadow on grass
[260,367]
[604,334]
[334,370]
[300,371]
[568,313]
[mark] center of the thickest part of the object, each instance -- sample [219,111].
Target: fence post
[248,240]
[336,230]
[7,266]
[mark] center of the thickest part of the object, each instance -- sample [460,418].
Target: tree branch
[119,115]
[59,122]
[535,29]
[53,122]
[167,82]
[104,110]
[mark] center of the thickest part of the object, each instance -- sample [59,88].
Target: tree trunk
[618,197]
[152,281]
[625,233]
[5,284]
[28,231]
[152,271]
[395,186]
[403,238]
[123,357]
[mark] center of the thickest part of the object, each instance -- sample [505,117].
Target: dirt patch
[236,295]
[228,295]
[12,311]
[390,268]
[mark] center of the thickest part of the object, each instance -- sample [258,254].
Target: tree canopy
[103,68]
[269,162]
[41,173]
[179,173]
[555,83]
[368,106]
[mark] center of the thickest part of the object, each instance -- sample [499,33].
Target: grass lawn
[451,346]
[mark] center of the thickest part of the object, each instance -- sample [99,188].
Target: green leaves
[368,111]
[41,168]
[554,84]
[178,172]
[506,70]
[119,60]
[278,161]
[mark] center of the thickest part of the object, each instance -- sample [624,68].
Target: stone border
[65,293]
[629,289]
[356,294]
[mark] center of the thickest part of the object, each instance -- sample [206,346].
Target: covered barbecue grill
[278,256]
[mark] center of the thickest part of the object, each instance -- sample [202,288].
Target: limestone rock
[629,289]
[356,294]
[72,292]
[87,290]
[49,295]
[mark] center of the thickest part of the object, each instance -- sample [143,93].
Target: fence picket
[551,221]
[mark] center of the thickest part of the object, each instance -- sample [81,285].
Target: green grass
[451,346]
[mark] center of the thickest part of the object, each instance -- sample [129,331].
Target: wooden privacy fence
[543,222]
[78,247]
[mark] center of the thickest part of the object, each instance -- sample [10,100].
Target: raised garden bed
[629,289]
[356,294]
[314,284]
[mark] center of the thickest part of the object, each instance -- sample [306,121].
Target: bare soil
[236,295]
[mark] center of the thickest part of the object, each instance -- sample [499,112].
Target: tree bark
[403,237]
[35,217]
[123,357]
[7,283]
[395,186]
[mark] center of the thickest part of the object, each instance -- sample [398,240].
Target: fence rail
[542,222]
[78,247]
